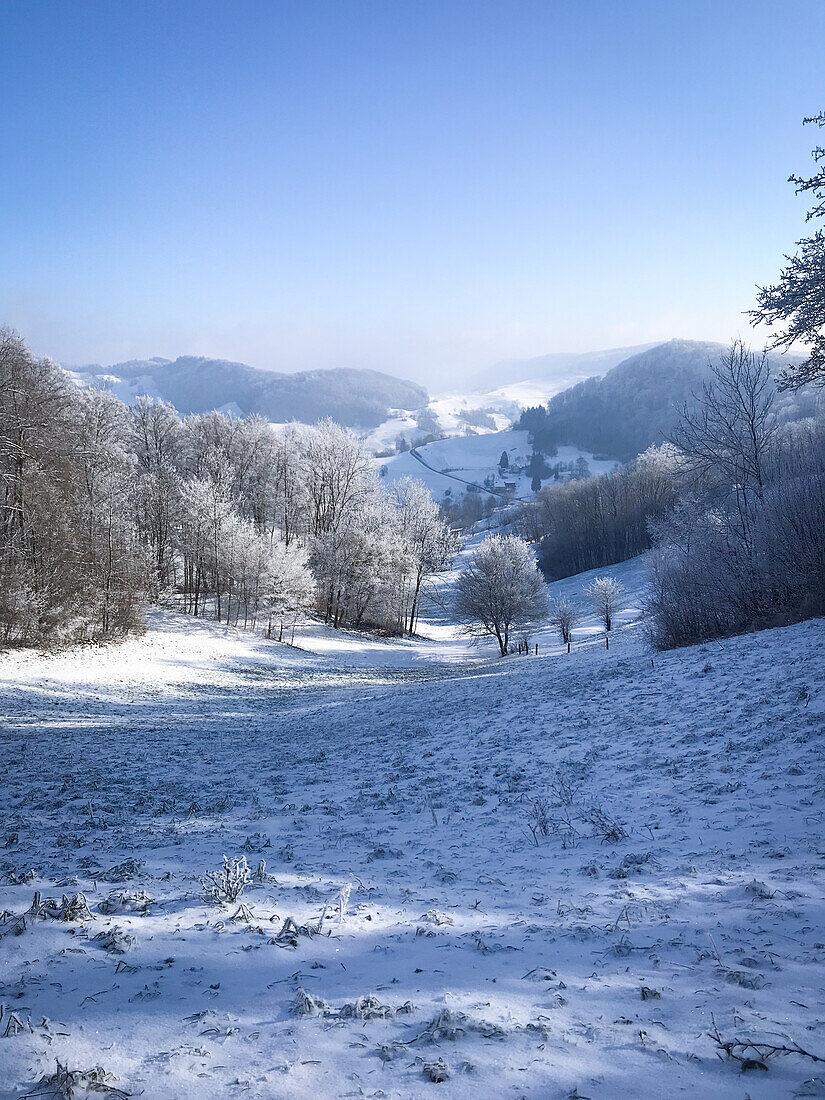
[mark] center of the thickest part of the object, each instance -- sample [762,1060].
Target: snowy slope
[583,964]
[454,463]
[556,368]
[360,399]
[460,413]
[505,402]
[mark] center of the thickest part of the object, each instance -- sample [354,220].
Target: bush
[725,578]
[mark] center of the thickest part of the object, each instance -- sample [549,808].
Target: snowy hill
[451,466]
[539,877]
[356,398]
[637,402]
[463,414]
[557,370]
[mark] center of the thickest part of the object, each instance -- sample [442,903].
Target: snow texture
[533,877]
[454,463]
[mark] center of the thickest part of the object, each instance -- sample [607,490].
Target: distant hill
[356,398]
[637,403]
[559,367]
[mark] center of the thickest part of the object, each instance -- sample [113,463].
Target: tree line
[106,507]
[732,510]
[744,545]
[597,521]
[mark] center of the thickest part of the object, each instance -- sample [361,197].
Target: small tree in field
[500,590]
[563,616]
[605,594]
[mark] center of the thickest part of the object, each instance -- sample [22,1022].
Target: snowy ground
[585,964]
[452,463]
[450,412]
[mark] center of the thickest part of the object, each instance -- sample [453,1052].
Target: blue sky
[420,187]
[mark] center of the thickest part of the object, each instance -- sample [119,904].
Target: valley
[409,918]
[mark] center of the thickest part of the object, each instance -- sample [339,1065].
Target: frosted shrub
[229,883]
[563,616]
[605,594]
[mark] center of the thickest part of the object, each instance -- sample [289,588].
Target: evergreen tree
[798,300]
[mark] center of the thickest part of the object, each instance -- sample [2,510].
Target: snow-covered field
[406,927]
[504,402]
[452,463]
[456,413]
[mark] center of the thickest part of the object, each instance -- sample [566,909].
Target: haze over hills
[584,430]
[193,384]
[633,405]
[559,369]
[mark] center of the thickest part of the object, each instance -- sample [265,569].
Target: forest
[107,507]
[732,510]
[637,404]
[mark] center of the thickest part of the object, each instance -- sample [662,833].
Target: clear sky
[423,187]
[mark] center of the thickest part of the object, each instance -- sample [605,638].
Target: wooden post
[537,649]
[607,641]
[568,647]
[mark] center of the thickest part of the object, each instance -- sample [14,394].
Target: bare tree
[500,590]
[564,615]
[729,432]
[71,566]
[605,593]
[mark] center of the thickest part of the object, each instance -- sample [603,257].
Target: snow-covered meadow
[547,877]
[452,464]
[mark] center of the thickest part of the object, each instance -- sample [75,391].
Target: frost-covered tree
[71,566]
[430,545]
[606,595]
[109,548]
[287,588]
[156,442]
[563,616]
[500,590]
[712,576]
[337,475]
[288,482]
[203,512]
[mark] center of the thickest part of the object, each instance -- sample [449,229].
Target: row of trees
[70,555]
[744,546]
[500,592]
[105,507]
[734,507]
[599,521]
